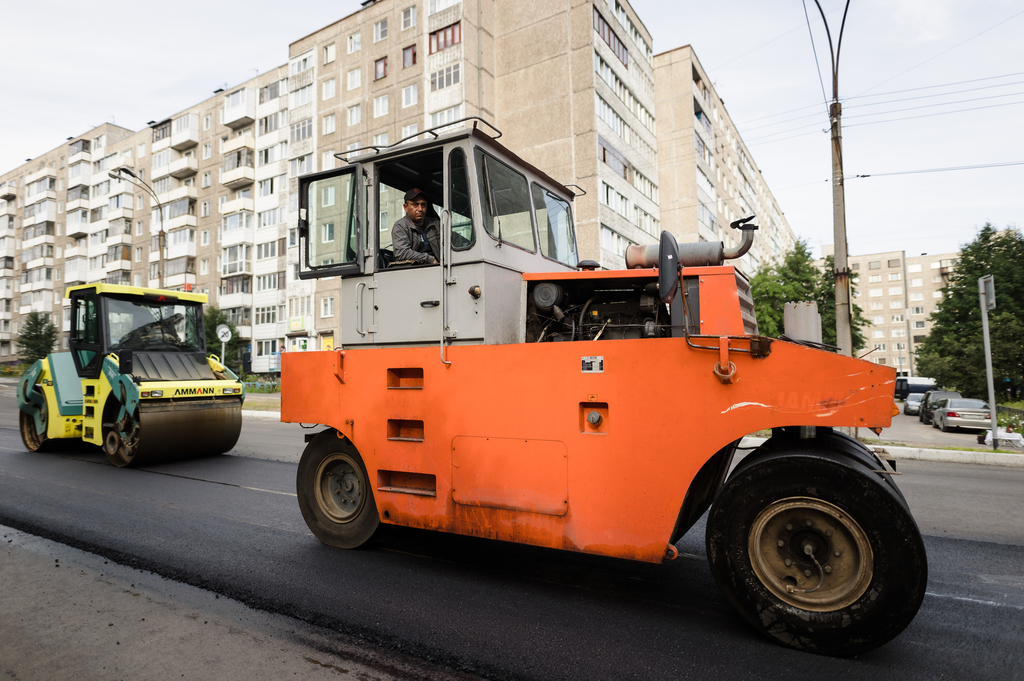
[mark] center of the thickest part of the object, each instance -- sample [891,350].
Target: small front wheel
[335,496]
[817,552]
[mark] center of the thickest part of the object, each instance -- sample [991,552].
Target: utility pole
[844,325]
[844,328]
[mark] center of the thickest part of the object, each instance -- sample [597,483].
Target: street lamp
[139,182]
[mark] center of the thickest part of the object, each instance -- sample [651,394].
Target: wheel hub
[339,488]
[810,554]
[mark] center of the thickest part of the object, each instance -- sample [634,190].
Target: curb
[954,456]
[261,415]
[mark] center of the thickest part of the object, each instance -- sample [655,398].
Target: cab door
[86,341]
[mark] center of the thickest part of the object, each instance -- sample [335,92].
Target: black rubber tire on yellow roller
[34,442]
[335,495]
[779,506]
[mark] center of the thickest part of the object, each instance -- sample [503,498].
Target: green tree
[825,295]
[953,353]
[214,317]
[37,338]
[796,279]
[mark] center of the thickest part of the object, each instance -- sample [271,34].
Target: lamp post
[139,182]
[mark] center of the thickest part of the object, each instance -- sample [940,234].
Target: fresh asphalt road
[231,525]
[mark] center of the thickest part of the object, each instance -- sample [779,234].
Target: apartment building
[571,87]
[898,293]
[708,176]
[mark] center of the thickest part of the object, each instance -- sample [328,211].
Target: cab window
[505,200]
[554,227]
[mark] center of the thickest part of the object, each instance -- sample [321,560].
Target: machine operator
[415,236]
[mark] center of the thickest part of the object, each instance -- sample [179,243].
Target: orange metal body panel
[506,425]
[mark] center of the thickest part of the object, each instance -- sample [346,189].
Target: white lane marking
[974,600]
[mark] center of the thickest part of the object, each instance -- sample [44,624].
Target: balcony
[239,177]
[180,221]
[122,213]
[80,156]
[77,204]
[235,300]
[8,192]
[40,174]
[8,251]
[235,206]
[181,250]
[75,277]
[175,194]
[239,235]
[115,265]
[240,142]
[77,229]
[38,240]
[186,132]
[37,262]
[8,209]
[179,280]
[48,214]
[239,110]
[184,167]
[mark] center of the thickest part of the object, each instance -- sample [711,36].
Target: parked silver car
[913,403]
[961,413]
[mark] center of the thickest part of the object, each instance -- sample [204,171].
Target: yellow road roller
[137,382]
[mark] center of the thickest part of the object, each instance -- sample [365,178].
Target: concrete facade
[898,293]
[570,84]
[708,176]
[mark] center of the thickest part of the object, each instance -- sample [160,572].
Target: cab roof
[150,293]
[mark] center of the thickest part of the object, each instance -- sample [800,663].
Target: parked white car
[955,412]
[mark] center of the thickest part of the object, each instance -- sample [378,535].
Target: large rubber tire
[335,494]
[944,428]
[34,442]
[830,503]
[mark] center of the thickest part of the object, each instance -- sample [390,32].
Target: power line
[908,172]
[815,51]
[857,107]
[938,170]
[945,51]
[941,113]
[891,92]
[929,106]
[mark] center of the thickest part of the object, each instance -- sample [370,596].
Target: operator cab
[499,217]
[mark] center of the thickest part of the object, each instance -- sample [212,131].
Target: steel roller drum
[186,429]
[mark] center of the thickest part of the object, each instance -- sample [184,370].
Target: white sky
[67,67]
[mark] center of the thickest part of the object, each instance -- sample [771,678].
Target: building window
[445,37]
[875,265]
[409,130]
[917,310]
[328,88]
[327,233]
[204,209]
[894,262]
[380,30]
[327,307]
[380,106]
[918,325]
[328,53]
[328,125]
[409,95]
[301,165]
[446,77]
[380,68]
[606,32]
[304,95]
[895,276]
[613,241]
[895,290]
[875,278]
[327,160]
[207,150]
[354,78]
[917,282]
[355,114]
[380,140]
[408,56]
[446,116]
[207,180]
[301,130]
[438,5]
[354,43]
[408,17]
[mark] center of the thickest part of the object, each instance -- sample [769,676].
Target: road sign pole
[987,296]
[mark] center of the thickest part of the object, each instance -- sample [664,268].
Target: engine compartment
[595,309]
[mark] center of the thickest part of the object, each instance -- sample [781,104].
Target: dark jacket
[407,240]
